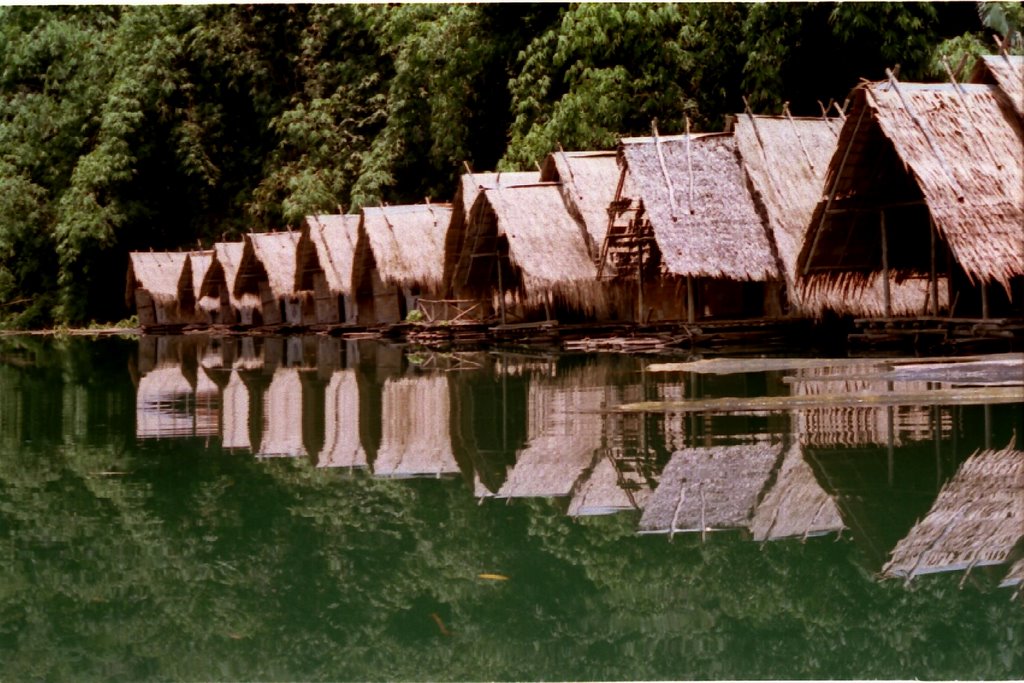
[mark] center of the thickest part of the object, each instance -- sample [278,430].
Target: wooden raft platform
[949,334]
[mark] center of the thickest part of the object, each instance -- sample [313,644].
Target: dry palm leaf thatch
[415,428]
[223,274]
[958,150]
[703,215]
[327,244]
[200,263]
[470,186]
[708,489]
[546,247]
[588,184]
[863,294]
[796,505]
[405,243]
[273,254]
[976,520]
[166,276]
[1006,72]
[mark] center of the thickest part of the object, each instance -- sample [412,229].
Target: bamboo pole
[689,166]
[691,315]
[984,300]
[885,266]
[640,282]
[796,132]
[934,274]
[664,169]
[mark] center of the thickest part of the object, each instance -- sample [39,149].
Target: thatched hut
[925,182]
[325,255]
[710,489]
[342,446]
[399,256]
[524,255]
[267,270]
[159,285]
[1007,73]
[219,284]
[690,234]
[207,308]
[415,429]
[976,520]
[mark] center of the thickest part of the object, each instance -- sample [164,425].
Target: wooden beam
[934,274]
[885,266]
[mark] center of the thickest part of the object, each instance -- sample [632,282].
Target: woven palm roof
[588,183]
[275,255]
[1005,71]
[703,215]
[406,243]
[328,243]
[167,276]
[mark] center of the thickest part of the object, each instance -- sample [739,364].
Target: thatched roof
[163,404]
[282,415]
[328,243]
[470,186]
[273,255]
[708,224]
[786,160]
[1005,71]
[588,183]
[959,148]
[342,447]
[224,272]
[545,243]
[976,520]
[200,263]
[415,428]
[796,505]
[858,294]
[705,489]
[166,275]
[405,242]
[235,408]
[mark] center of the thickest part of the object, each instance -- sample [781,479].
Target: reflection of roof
[976,520]
[709,488]
[601,493]
[282,415]
[163,405]
[207,404]
[342,447]
[415,437]
[796,505]
[235,406]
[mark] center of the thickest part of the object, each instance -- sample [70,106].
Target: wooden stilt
[640,282]
[984,300]
[691,314]
[934,269]
[885,266]
[501,287]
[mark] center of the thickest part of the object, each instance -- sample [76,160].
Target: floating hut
[524,256]
[399,257]
[976,520]
[326,250]
[690,235]
[342,446]
[267,270]
[925,183]
[415,429]
[159,285]
[282,416]
[710,489]
[219,284]
[796,506]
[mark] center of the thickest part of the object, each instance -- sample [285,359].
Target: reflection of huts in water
[925,182]
[524,256]
[415,428]
[866,425]
[399,257]
[342,446]
[1014,577]
[796,505]
[219,284]
[690,235]
[605,490]
[207,307]
[267,270]
[709,489]
[976,520]
[207,402]
[282,416]
[164,404]
[235,414]
[159,285]
[325,255]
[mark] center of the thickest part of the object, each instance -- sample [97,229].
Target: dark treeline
[133,127]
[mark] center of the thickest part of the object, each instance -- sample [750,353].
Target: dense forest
[131,127]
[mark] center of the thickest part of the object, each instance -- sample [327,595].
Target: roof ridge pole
[970,115]
[796,131]
[834,189]
[689,166]
[927,135]
[664,169]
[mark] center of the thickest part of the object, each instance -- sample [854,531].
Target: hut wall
[327,304]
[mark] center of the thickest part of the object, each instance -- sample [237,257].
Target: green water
[135,546]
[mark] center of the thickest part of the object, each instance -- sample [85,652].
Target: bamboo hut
[710,489]
[399,257]
[325,255]
[159,285]
[796,505]
[219,284]
[690,235]
[342,446]
[267,270]
[1007,73]
[976,520]
[925,183]
[235,414]
[523,254]
[415,429]
[164,404]
[282,416]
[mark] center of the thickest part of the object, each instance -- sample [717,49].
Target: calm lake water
[309,509]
